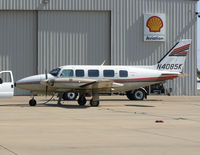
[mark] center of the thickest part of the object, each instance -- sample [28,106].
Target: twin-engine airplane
[94,80]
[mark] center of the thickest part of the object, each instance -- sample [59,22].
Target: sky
[198,38]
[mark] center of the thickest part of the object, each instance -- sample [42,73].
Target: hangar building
[41,34]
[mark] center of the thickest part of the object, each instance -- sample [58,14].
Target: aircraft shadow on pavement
[68,106]
[14,105]
[127,100]
[53,103]
[46,105]
[137,105]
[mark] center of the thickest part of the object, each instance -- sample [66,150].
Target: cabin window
[79,73]
[93,73]
[67,73]
[123,73]
[108,73]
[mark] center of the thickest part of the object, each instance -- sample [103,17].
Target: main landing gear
[82,100]
[138,94]
[69,96]
[94,102]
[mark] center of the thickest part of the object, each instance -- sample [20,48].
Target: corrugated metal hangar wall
[41,34]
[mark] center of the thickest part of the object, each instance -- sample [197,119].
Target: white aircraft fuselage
[136,77]
[93,79]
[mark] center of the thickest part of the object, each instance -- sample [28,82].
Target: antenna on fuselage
[103,62]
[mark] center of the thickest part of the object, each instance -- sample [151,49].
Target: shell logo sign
[154,27]
[154,24]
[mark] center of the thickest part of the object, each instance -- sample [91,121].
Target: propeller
[46,77]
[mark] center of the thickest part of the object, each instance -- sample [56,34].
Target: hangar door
[18,44]
[73,38]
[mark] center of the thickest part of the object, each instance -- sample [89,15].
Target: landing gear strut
[32,102]
[59,98]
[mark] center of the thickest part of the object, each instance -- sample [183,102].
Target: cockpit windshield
[55,72]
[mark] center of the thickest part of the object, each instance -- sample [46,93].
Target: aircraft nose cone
[28,82]
[24,82]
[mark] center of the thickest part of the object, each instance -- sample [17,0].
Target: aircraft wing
[61,84]
[101,84]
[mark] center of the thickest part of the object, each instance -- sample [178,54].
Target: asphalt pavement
[160,125]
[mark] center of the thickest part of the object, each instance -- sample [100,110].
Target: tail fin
[175,58]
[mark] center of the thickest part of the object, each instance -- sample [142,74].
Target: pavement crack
[8,150]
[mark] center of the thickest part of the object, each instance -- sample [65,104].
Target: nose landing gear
[32,102]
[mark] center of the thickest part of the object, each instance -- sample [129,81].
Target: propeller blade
[46,76]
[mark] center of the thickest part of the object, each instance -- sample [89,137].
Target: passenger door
[6,84]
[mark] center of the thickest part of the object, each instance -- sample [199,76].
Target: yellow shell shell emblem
[154,24]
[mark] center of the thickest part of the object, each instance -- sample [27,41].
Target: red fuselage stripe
[144,79]
[182,47]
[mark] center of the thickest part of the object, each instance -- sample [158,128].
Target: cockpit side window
[67,73]
[55,72]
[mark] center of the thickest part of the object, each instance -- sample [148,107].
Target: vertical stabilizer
[174,60]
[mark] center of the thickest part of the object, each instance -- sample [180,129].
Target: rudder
[174,59]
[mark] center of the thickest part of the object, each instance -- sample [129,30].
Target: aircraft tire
[130,95]
[32,102]
[94,103]
[82,101]
[69,96]
[139,94]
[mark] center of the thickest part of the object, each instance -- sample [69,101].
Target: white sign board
[154,27]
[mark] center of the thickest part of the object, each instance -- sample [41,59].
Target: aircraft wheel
[32,102]
[69,96]
[130,95]
[139,94]
[94,103]
[82,101]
